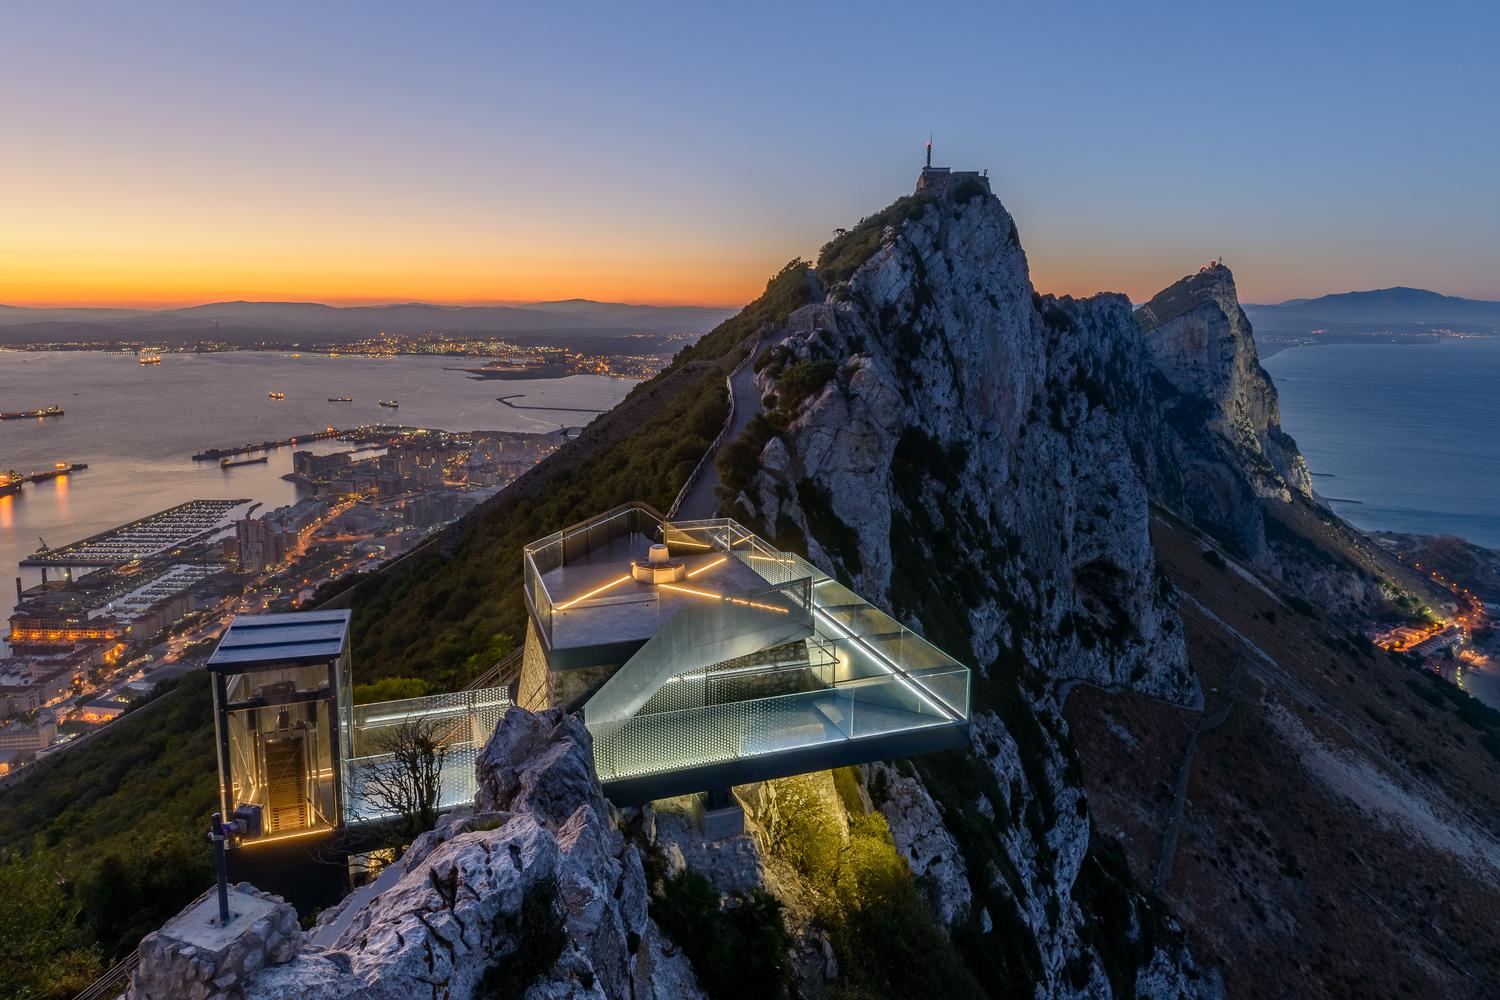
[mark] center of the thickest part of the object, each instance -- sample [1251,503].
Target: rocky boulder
[540,763]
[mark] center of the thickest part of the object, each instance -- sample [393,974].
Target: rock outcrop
[535,891]
[1200,338]
[971,462]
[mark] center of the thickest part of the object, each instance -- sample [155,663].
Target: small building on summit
[939,182]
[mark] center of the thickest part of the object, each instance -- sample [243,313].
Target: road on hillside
[702,501]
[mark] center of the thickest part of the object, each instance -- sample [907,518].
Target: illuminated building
[37,736]
[292,744]
[56,630]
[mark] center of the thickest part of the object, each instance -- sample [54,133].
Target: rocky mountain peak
[1201,340]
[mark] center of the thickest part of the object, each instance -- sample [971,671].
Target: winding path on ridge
[701,501]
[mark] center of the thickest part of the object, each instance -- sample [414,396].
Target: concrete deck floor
[631,611]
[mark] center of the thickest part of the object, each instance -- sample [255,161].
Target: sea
[137,427]
[1400,437]
[1403,437]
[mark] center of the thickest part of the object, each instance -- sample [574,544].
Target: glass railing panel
[674,741]
[950,687]
[677,740]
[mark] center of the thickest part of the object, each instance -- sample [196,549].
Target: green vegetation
[47,953]
[800,381]
[886,941]
[390,689]
[106,841]
[850,248]
[785,293]
[540,940]
[1441,693]
[738,949]
[739,460]
[447,616]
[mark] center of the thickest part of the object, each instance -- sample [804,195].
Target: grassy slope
[1287,884]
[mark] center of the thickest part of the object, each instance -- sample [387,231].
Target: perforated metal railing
[462,721]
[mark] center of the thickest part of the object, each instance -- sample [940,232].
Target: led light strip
[694,591]
[593,593]
[889,666]
[708,566]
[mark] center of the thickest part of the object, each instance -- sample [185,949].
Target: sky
[178,153]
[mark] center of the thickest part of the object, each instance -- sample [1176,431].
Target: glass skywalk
[755,664]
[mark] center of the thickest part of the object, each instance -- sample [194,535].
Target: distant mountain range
[1408,307]
[249,322]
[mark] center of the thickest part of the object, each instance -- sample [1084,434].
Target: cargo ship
[60,469]
[390,404]
[341,399]
[229,463]
[46,411]
[276,395]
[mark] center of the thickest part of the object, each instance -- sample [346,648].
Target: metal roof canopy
[253,641]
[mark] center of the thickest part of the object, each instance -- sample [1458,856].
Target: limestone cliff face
[1200,338]
[969,464]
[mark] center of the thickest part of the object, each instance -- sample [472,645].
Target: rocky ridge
[969,462]
[1200,339]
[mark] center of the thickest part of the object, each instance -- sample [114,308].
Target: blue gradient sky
[167,153]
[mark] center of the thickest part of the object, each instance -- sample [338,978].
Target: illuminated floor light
[694,591]
[885,663]
[594,593]
[708,566]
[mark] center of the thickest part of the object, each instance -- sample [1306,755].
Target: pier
[363,432]
[558,409]
[214,454]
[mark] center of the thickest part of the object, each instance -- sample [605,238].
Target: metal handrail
[498,675]
[108,984]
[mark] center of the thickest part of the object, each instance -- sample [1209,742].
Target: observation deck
[755,665]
